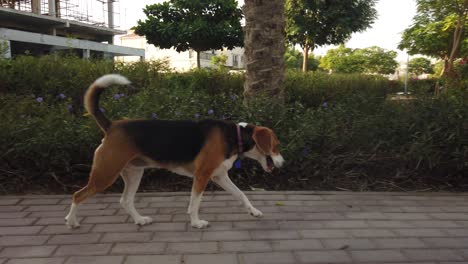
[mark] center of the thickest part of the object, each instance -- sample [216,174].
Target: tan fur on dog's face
[266,145]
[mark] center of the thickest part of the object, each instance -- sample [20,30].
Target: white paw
[255,212]
[200,224]
[72,222]
[143,220]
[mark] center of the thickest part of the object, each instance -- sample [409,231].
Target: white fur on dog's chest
[226,165]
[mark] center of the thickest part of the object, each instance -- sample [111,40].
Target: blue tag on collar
[237,164]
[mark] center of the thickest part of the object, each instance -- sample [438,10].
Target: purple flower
[69,107]
[62,96]
[462,62]
[102,110]
[122,95]
[305,151]
[233,96]
[154,115]
[40,99]
[116,96]
[325,105]
[197,115]
[211,111]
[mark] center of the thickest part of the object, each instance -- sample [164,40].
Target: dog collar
[239,141]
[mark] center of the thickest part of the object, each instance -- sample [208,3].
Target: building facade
[40,27]
[180,61]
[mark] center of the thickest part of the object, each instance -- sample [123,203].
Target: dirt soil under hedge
[160,180]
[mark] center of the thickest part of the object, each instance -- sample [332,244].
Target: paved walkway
[298,227]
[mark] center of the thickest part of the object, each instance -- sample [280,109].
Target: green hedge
[337,131]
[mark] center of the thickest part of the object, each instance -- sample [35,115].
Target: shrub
[337,131]
[422,87]
[315,88]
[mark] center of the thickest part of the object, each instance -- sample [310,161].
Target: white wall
[179,61]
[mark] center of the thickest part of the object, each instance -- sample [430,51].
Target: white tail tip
[110,79]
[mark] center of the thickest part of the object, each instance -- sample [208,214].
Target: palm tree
[264,44]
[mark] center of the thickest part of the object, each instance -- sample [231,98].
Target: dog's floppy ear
[263,137]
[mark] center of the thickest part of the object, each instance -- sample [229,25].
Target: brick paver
[211,258]
[246,246]
[23,240]
[139,248]
[152,259]
[57,260]
[96,260]
[297,227]
[127,237]
[324,256]
[27,251]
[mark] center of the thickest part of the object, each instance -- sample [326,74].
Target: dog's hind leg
[109,160]
[132,175]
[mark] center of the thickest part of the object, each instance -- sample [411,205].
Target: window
[235,60]
[205,55]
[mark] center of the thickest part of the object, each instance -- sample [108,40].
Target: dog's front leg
[199,184]
[223,180]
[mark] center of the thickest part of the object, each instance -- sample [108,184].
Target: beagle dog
[204,150]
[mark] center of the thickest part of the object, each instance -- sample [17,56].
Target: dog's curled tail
[91,99]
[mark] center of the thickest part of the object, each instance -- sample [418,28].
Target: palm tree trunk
[198,60]
[264,48]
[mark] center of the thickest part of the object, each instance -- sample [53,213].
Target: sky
[394,16]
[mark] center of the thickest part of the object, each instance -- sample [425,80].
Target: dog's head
[266,149]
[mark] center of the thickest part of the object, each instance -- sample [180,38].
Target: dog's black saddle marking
[182,141]
[167,141]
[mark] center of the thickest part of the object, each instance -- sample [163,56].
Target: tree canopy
[420,66]
[193,24]
[368,60]
[312,23]
[438,30]
[219,61]
[341,60]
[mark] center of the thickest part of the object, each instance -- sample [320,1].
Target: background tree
[293,60]
[342,60]
[313,23]
[219,61]
[377,60]
[438,30]
[372,60]
[192,24]
[418,66]
[264,48]
[4,49]
[439,68]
